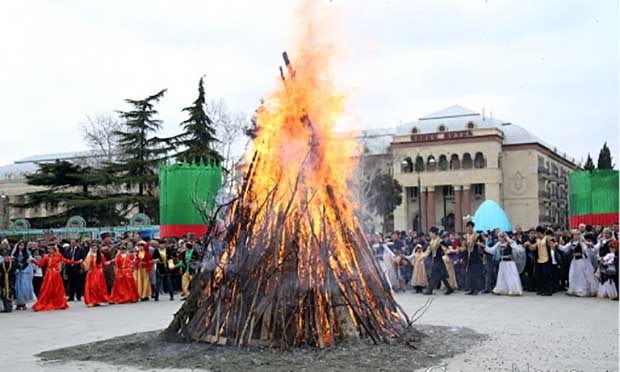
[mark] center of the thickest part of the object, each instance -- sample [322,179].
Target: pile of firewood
[293,273]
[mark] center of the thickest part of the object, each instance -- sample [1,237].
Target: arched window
[443,163]
[467,162]
[471,125]
[419,164]
[431,163]
[414,130]
[455,164]
[441,128]
[479,161]
[407,165]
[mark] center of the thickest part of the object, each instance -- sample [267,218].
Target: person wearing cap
[447,259]
[439,273]
[124,289]
[143,266]
[164,264]
[473,245]
[543,269]
[109,252]
[52,294]
[187,264]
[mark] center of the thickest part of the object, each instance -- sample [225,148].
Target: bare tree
[369,167]
[99,132]
[230,127]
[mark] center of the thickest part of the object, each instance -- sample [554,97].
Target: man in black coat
[438,268]
[75,273]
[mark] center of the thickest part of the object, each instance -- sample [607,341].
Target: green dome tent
[179,186]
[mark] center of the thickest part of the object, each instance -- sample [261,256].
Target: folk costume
[24,292]
[124,289]
[581,279]
[95,290]
[143,266]
[52,294]
[420,280]
[387,261]
[163,271]
[543,268]
[450,267]
[607,250]
[473,263]
[7,283]
[189,258]
[508,280]
[109,253]
[438,267]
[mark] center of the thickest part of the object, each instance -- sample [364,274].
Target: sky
[549,66]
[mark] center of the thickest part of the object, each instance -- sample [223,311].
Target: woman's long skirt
[143,282]
[608,290]
[52,294]
[96,289]
[581,279]
[508,280]
[451,272]
[24,292]
[419,274]
[124,289]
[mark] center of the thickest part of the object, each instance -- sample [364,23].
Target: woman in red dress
[52,293]
[124,289]
[95,291]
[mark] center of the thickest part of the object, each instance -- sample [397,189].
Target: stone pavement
[558,333]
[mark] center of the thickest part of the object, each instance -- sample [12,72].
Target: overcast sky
[550,66]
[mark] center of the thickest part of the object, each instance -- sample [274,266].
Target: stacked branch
[297,269]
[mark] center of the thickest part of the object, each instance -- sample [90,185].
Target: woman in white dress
[386,259]
[508,281]
[581,279]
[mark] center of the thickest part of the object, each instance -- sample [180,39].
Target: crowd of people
[581,262]
[128,269]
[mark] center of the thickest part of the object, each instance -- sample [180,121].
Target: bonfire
[297,269]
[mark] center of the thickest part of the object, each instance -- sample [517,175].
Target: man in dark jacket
[75,273]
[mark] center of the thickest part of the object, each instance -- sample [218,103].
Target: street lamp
[4,211]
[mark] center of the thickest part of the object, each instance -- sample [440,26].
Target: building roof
[29,164]
[457,118]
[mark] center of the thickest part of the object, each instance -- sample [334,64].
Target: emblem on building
[517,184]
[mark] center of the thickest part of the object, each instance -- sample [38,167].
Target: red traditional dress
[95,291]
[125,289]
[52,293]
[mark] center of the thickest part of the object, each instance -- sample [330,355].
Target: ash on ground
[149,351]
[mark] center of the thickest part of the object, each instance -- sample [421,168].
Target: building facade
[450,161]
[14,186]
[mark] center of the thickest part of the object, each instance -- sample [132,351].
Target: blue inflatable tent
[490,216]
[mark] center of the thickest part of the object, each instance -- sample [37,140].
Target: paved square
[558,333]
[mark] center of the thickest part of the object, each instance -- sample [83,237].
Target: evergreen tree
[139,156]
[198,137]
[604,158]
[589,166]
[69,190]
